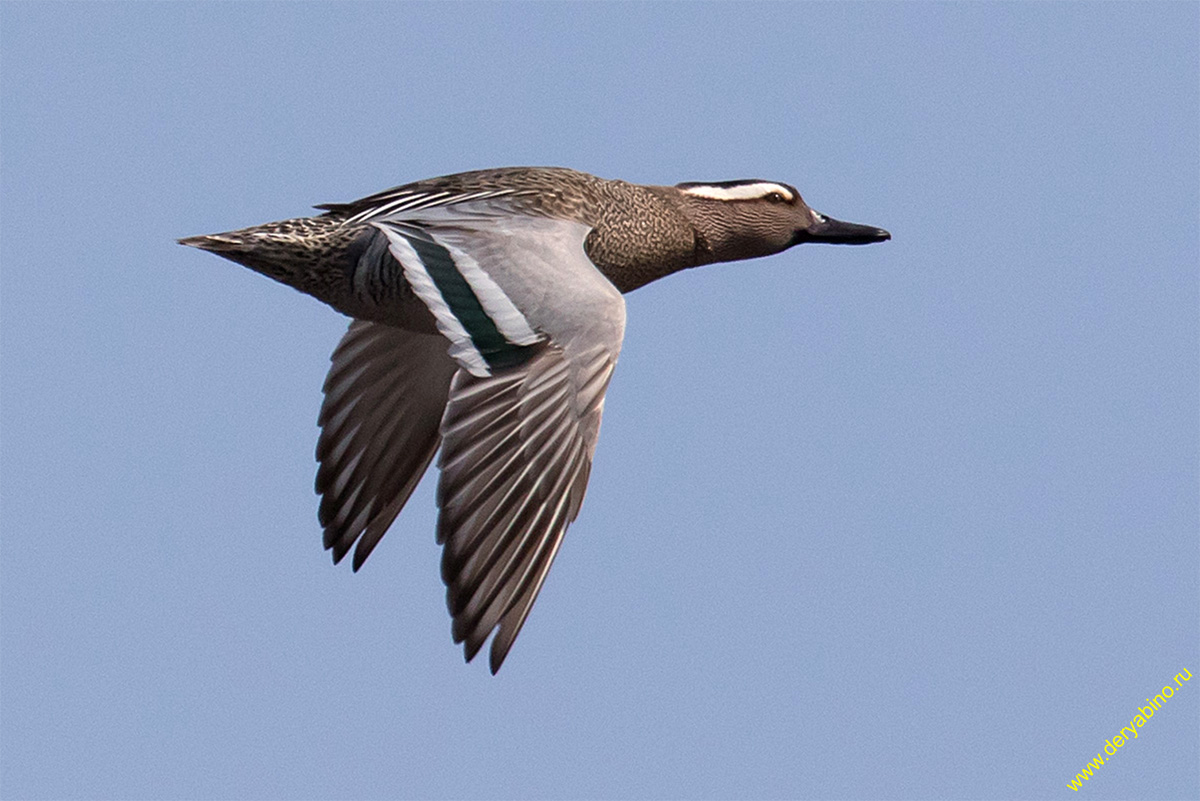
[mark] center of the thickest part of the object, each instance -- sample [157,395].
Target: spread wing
[536,330]
[384,398]
[516,455]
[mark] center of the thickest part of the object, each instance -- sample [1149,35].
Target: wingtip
[496,659]
[470,649]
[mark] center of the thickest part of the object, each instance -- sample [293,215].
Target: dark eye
[775,197]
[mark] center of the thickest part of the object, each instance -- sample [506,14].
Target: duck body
[487,321]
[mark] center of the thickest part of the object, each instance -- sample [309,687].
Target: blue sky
[914,520]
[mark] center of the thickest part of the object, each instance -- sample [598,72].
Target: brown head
[750,218]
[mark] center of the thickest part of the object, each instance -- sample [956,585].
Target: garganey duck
[487,320]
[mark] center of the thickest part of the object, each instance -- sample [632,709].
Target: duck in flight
[487,317]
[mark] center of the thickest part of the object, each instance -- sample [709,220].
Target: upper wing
[384,398]
[517,451]
[536,329]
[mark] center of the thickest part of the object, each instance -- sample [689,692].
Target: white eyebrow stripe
[740,192]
